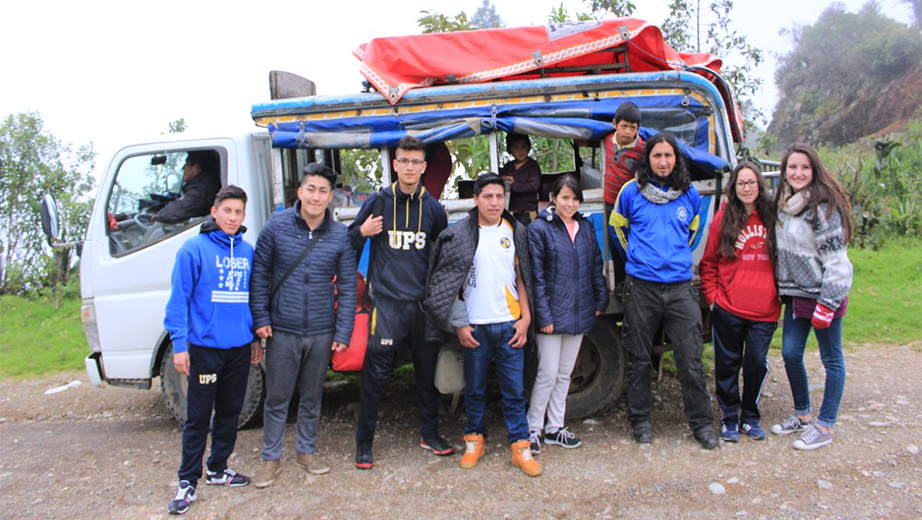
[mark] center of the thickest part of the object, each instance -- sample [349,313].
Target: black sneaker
[707,438]
[535,439]
[184,496]
[437,445]
[363,458]
[643,434]
[227,477]
[562,438]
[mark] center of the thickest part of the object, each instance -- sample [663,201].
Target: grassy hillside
[36,338]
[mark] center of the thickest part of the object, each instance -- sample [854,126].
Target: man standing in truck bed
[402,221]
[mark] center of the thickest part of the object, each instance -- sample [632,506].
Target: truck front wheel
[598,377]
[174,387]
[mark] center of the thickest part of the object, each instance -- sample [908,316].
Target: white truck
[127,259]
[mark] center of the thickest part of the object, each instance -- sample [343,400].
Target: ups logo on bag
[404,239]
[207,379]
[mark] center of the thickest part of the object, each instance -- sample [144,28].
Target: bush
[884,181]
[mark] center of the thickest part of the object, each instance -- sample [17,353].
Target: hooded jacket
[400,253]
[208,304]
[450,265]
[567,274]
[305,304]
[744,285]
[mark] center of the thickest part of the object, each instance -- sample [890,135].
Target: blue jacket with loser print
[209,303]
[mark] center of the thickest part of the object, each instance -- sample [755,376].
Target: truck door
[132,253]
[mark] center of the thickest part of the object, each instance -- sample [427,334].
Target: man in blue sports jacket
[654,221]
[208,318]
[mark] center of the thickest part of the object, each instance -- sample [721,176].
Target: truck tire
[598,377]
[174,387]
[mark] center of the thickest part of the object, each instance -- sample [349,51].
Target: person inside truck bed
[200,183]
[655,219]
[524,175]
[623,150]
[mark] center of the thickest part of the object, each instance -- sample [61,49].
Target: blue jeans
[793,341]
[510,365]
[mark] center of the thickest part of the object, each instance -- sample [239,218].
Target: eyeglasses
[404,161]
[747,184]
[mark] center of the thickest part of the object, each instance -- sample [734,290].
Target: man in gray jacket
[293,306]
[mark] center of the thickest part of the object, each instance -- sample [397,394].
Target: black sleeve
[196,201]
[355,234]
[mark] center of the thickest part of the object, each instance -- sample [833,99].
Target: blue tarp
[588,119]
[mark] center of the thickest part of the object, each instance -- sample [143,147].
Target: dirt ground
[92,452]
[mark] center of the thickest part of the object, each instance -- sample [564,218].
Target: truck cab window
[158,195]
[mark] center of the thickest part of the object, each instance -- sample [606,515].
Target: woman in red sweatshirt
[738,282]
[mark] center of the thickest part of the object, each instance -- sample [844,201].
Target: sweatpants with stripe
[393,324]
[740,343]
[217,381]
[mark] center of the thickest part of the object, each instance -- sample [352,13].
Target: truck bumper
[93,368]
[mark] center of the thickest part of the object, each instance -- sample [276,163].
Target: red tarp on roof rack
[395,65]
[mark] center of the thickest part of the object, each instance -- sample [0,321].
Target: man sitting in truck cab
[201,182]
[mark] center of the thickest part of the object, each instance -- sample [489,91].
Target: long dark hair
[679,179]
[736,216]
[823,187]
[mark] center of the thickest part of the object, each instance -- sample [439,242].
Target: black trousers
[217,381]
[739,342]
[675,306]
[394,324]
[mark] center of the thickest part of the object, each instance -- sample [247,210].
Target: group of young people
[497,278]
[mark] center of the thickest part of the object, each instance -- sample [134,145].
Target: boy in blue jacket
[209,321]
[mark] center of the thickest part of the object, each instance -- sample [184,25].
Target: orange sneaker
[473,450]
[521,457]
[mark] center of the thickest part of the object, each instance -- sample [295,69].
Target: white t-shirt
[490,293]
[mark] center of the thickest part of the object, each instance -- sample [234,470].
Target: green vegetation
[34,162]
[848,75]
[883,177]
[885,304]
[38,337]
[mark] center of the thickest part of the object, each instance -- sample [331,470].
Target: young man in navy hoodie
[402,220]
[208,318]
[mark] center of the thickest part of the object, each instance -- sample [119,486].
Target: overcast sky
[113,72]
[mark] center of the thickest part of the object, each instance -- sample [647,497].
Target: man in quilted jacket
[478,288]
[293,306]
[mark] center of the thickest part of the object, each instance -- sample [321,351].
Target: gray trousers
[294,361]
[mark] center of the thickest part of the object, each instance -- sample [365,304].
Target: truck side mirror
[50,218]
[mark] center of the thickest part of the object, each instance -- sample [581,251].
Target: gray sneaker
[813,438]
[792,424]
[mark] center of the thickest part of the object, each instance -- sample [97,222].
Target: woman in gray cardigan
[814,277]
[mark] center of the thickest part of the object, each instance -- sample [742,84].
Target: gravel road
[91,452]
